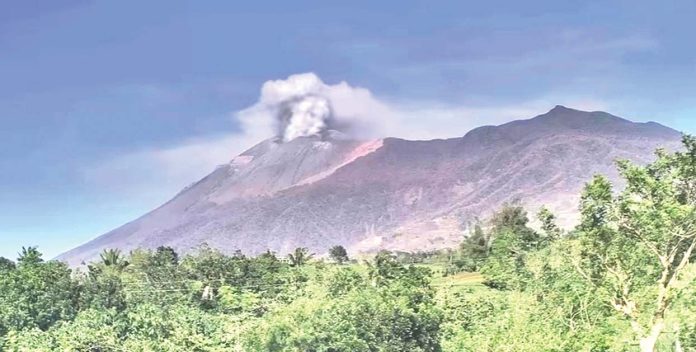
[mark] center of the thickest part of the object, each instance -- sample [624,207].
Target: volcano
[367,195]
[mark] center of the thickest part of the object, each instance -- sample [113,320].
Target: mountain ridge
[388,193]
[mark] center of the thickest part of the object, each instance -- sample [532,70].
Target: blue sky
[91,92]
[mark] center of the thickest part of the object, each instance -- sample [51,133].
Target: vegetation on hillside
[623,280]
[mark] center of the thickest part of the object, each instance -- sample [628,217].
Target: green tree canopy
[36,294]
[30,256]
[6,264]
[338,254]
[639,242]
[511,241]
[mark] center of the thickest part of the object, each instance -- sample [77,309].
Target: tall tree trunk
[647,344]
[677,341]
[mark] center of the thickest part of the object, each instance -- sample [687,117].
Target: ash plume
[303,116]
[302,105]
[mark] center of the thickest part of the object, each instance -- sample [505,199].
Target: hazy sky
[108,108]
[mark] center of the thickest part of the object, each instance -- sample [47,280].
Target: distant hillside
[391,193]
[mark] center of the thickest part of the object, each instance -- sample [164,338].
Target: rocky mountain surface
[389,193]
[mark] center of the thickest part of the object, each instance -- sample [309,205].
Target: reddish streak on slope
[360,151]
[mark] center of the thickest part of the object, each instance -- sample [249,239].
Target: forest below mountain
[622,280]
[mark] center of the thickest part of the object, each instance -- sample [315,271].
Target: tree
[36,294]
[548,224]
[6,264]
[474,249]
[511,241]
[362,321]
[165,256]
[513,218]
[384,268]
[338,254]
[29,256]
[103,289]
[112,258]
[348,314]
[637,244]
[300,257]
[343,281]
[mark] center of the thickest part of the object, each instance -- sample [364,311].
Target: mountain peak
[598,122]
[565,120]
[569,117]
[562,109]
[559,108]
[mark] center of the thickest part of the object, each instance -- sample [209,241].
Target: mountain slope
[391,193]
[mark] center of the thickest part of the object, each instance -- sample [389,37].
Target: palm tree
[300,256]
[113,258]
[29,256]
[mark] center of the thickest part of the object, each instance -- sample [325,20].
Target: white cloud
[154,175]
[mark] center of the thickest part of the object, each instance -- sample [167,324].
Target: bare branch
[651,246]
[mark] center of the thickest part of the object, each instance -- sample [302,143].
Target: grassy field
[460,282]
[464,281]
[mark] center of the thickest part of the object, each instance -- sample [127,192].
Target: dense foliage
[623,280]
[207,301]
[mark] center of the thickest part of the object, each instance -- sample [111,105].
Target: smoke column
[303,116]
[300,106]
